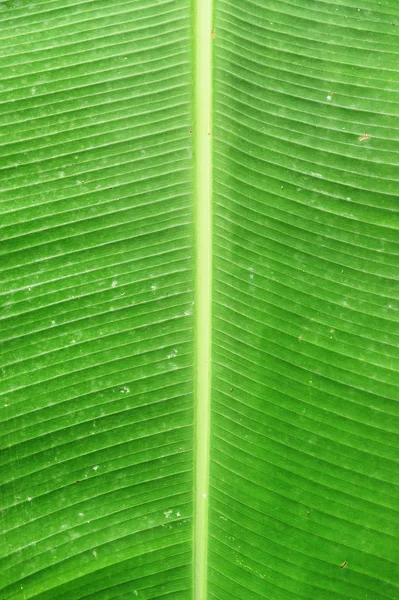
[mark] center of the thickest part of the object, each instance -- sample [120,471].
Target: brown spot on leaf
[343,564]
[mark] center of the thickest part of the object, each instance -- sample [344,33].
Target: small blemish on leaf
[343,564]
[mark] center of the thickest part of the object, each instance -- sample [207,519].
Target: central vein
[203,177]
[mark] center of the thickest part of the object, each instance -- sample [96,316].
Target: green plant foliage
[305,341]
[99,257]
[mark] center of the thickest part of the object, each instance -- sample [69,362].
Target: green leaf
[199,262]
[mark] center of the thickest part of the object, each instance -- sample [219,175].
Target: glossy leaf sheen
[98,271]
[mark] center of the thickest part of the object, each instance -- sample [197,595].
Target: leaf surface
[116,479]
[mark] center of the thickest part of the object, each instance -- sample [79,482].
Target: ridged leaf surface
[100,181]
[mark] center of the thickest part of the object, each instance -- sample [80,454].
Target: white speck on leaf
[95,468]
[29,498]
[167,513]
[114,284]
[153,287]
[125,390]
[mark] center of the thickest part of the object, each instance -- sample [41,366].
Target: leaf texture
[97,300]
[304,440]
[98,319]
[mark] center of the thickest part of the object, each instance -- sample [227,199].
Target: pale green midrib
[203,192]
